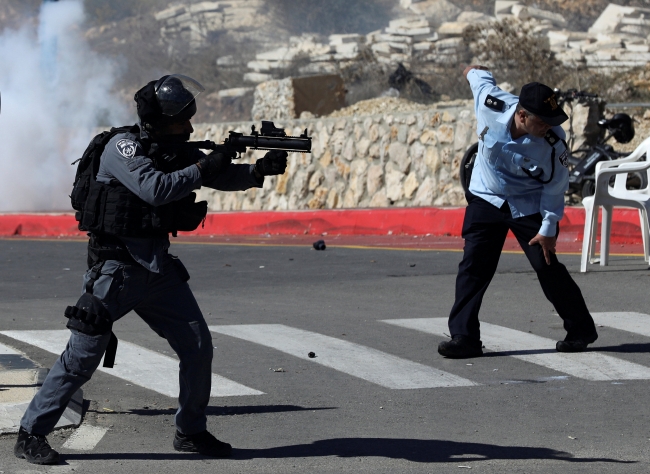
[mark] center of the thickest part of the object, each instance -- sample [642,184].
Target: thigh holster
[90,317]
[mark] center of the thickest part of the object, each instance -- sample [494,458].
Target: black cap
[540,100]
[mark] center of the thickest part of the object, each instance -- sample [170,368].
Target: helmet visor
[175,92]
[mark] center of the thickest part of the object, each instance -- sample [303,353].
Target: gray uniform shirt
[124,160]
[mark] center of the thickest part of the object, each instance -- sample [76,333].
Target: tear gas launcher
[268,138]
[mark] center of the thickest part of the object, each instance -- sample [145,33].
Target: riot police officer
[138,193]
[518,184]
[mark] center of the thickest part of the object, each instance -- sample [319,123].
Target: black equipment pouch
[189,214]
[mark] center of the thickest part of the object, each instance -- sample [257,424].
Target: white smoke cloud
[55,92]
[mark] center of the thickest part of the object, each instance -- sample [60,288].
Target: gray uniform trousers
[166,303]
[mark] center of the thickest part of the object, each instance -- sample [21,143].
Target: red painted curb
[403,221]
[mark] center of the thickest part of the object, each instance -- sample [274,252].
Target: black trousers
[484,229]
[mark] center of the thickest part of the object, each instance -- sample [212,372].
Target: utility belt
[106,247]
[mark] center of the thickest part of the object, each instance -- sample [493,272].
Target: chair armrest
[632,157]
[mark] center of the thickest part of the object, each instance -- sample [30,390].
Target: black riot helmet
[168,100]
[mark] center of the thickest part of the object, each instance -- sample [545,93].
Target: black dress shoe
[202,443]
[460,347]
[577,345]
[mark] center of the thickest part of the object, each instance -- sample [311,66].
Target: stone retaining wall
[392,160]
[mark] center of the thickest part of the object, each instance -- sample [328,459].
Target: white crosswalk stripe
[136,364]
[538,350]
[354,359]
[85,438]
[638,323]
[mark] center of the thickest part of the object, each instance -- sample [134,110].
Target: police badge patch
[564,158]
[126,147]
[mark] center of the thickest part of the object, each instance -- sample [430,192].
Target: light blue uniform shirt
[498,175]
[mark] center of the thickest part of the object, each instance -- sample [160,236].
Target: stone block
[448,43]
[388,38]
[169,13]
[341,167]
[432,159]
[462,134]
[319,198]
[204,7]
[299,183]
[340,39]
[452,28]
[424,31]
[410,185]
[256,77]
[426,192]
[474,17]
[362,147]
[400,47]
[333,199]
[436,11]
[260,65]
[410,22]
[374,179]
[423,46]
[445,134]
[318,68]
[379,199]
[504,8]
[398,154]
[394,186]
[279,54]
[281,184]
[315,180]
[413,134]
[347,48]
[349,149]
[381,48]
[610,18]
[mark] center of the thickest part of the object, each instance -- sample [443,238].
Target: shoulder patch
[126,147]
[494,103]
[564,158]
[551,137]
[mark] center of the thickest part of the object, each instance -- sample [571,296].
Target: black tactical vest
[113,209]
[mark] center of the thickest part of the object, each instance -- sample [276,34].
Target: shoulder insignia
[551,137]
[126,147]
[494,103]
[564,158]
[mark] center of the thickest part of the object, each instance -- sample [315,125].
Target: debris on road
[320,245]
[311,355]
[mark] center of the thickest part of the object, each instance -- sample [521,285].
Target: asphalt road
[507,414]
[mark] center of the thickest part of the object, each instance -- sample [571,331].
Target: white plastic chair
[608,197]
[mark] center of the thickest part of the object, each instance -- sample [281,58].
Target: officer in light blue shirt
[518,183]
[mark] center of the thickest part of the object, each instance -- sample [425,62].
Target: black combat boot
[460,347]
[202,443]
[35,448]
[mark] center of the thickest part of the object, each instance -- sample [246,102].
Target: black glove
[274,162]
[213,164]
